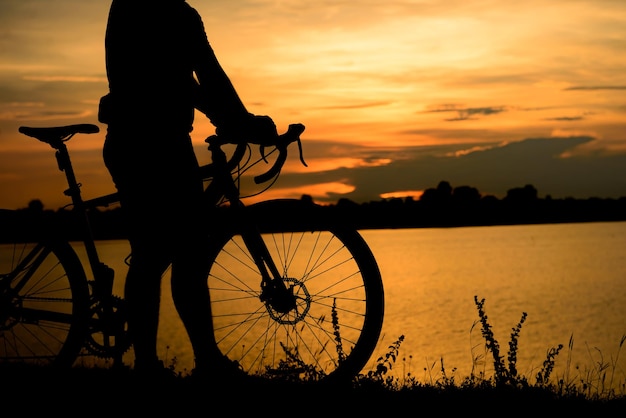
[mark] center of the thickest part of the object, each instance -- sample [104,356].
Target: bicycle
[295,294]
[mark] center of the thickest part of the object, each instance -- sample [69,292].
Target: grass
[604,381]
[503,390]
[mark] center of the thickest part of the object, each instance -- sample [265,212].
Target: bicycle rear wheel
[332,331]
[44,304]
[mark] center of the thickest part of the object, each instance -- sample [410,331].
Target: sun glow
[414,194]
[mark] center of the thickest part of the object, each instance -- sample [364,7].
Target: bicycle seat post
[65,164]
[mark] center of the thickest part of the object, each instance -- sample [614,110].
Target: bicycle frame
[222,185]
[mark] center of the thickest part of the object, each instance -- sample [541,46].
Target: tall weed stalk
[504,375]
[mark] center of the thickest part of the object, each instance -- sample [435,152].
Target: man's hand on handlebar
[255,129]
[270,138]
[263,130]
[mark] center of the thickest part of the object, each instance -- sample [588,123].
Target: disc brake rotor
[303,304]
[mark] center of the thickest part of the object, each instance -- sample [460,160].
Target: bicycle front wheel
[332,330]
[44,304]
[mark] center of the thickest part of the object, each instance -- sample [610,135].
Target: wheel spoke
[44,307]
[335,284]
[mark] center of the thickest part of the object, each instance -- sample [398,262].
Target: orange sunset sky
[396,95]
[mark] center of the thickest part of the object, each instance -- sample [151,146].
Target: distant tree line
[445,206]
[442,206]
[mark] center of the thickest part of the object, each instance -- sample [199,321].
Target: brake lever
[301,153]
[283,145]
[294,129]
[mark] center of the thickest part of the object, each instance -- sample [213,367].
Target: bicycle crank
[107,336]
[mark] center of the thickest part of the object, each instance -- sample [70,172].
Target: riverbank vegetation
[603,381]
[502,391]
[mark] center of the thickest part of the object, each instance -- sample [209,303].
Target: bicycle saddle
[58,133]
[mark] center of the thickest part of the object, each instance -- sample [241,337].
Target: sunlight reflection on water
[569,278]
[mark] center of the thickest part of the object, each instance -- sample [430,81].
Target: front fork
[274,290]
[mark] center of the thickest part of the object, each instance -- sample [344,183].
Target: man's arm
[216,97]
[214,93]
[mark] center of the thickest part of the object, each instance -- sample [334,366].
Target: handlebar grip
[274,170]
[281,143]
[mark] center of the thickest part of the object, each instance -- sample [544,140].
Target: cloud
[71,79]
[466,113]
[357,105]
[617,87]
[542,162]
[566,118]
[39,113]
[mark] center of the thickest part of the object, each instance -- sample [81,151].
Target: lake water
[569,278]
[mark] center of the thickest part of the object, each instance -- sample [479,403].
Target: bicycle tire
[45,302]
[333,331]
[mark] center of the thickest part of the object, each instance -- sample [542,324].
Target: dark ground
[102,392]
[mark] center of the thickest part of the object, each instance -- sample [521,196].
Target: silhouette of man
[160,66]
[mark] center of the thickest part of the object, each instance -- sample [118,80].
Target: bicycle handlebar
[292,135]
[281,143]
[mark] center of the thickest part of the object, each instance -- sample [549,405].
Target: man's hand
[263,130]
[256,129]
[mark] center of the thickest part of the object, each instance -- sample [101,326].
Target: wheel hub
[289,305]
